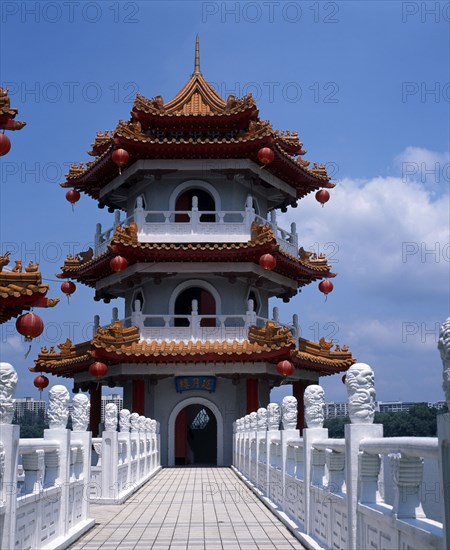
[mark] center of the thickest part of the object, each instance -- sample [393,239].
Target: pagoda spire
[197,70]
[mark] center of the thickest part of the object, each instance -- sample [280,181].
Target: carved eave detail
[8,114]
[116,336]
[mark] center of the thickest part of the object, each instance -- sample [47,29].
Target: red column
[95,392]
[298,390]
[139,397]
[252,395]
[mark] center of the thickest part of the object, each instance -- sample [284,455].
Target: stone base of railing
[123,496]
[74,534]
[293,527]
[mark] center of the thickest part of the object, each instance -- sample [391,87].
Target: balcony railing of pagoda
[201,327]
[194,225]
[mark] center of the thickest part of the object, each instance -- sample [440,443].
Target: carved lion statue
[111,417]
[58,407]
[134,422]
[8,383]
[289,412]
[273,416]
[81,407]
[444,348]
[314,404]
[124,420]
[361,393]
[262,419]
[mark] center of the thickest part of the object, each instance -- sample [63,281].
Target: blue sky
[366,85]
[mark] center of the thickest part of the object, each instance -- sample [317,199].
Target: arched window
[205,204]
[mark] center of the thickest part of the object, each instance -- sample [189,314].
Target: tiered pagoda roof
[21,289]
[197,124]
[304,269]
[116,344]
[7,114]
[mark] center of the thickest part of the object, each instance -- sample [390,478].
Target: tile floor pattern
[188,509]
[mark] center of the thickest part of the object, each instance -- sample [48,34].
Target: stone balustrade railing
[47,484]
[47,505]
[126,459]
[330,492]
[207,226]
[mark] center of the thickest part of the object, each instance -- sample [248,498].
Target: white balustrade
[186,226]
[44,503]
[330,492]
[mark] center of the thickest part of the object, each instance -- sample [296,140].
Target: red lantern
[30,325]
[68,288]
[73,196]
[118,263]
[41,382]
[322,196]
[266,155]
[98,370]
[326,287]
[121,158]
[267,261]
[5,145]
[285,368]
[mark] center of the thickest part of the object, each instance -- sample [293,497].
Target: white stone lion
[262,419]
[111,417]
[273,416]
[289,412]
[8,384]
[444,348]
[58,407]
[134,422]
[361,393]
[314,404]
[81,407]
[124,420]
[253,421]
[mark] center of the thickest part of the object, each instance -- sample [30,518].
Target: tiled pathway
[188,509]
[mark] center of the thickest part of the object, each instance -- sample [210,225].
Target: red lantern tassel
[28,352]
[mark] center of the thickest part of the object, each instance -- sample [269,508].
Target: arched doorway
[217,441]
[195,436]
[206,306]
[205,204]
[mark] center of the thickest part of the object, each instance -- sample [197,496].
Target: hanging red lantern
[5,145]
[73,196]
[41,382]
[267,261]
[266,155]
[98,370]
[29,325]
[118,263]
[326,287]
[121,158]
[322,196]
[68,288]
[285,368]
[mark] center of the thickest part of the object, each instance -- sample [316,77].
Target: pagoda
[21,288]
[196,347]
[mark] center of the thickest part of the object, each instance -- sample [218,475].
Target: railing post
[443,431]
[361,407]
[195,321]
[97,243]
[124,436]
[294,238]
[195,217]
[289,432]
[110,454]
[273,432]
[137,319]
[139,216]
[80,420]
[249,213]
[276,315]
[9,454]
[96,324]
[116,218]
[58,414]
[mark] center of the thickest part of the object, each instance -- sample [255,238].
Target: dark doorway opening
[205,204]
[206,306]
[195,436]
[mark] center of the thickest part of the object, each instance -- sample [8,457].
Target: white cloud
[424,166]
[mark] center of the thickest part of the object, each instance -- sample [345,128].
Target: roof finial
[197,57]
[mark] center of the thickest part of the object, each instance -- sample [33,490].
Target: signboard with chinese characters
[186,383]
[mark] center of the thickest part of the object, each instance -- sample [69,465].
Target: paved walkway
[188,509]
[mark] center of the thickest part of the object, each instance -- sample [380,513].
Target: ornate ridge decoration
[262,234]
[322,353]
[8,114]
[271,335]
[102,141]
[312,259]
[128,234]
[116,336]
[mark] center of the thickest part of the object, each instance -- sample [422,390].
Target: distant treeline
[419,421]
